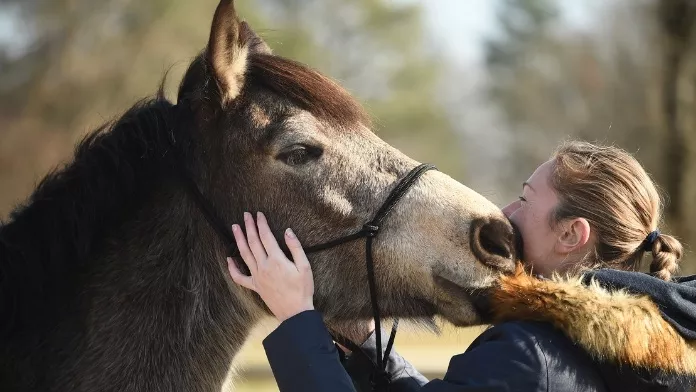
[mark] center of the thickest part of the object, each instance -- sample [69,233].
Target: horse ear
[256,43]
[231,41]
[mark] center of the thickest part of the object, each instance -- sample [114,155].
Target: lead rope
[381,380]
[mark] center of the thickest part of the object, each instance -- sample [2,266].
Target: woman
[588,207]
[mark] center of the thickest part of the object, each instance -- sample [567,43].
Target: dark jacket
[579,342]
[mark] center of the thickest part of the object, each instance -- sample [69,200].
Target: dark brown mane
[306,88]
[52,235]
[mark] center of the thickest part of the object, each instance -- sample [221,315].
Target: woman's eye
[522,198]
[300,155]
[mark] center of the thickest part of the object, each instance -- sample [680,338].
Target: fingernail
[235,227]
[247,216]
[229,260]
[289,233]
[259,215]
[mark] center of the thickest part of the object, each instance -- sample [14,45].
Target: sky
[461,25]
[10,29]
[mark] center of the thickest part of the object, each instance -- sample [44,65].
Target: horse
[113,279]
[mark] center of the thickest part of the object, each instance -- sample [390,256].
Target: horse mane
[307,88]
[47,241]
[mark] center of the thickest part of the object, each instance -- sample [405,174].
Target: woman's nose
[511,208]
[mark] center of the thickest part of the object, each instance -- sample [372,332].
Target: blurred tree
[522,79]
[676,20]
[76,62]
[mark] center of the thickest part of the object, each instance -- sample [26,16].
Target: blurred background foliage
[66,66]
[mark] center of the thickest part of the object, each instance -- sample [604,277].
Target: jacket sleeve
[505,358]
[304,358]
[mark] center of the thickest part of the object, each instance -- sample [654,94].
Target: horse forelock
[306,88]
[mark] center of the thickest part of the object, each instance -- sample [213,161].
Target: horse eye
[300,155]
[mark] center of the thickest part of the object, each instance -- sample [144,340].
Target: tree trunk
[676,18]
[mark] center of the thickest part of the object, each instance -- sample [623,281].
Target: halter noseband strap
[369,231]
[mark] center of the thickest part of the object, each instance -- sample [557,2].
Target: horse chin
[460,306]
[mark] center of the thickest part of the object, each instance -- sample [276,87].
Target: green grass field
[428,352]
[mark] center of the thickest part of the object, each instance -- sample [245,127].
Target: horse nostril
[493,243]
[494,239]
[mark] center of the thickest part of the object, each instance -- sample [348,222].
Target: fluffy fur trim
[611,325]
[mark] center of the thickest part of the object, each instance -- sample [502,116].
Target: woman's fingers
[244,250]
[298,254]
[267,239]
[253,239]
[286,289]
[238,277]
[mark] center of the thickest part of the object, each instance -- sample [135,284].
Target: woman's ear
[575,234]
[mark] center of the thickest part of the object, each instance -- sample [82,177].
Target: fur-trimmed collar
[613,326]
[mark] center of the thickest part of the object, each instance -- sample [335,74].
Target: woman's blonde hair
[608,187]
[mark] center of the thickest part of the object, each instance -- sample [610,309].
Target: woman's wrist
[282,316]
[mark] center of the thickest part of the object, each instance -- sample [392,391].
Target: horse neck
[173,268]
[117,253]
[154,290]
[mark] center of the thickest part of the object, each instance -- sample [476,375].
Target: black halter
[369,231]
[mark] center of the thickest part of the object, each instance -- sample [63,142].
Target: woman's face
[532,216]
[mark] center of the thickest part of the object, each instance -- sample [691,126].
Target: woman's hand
[286,288]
